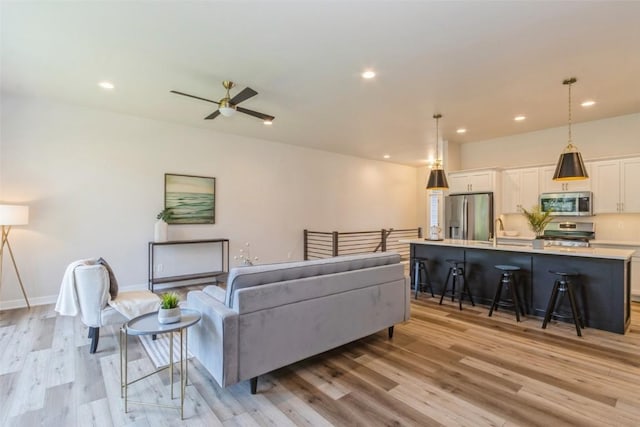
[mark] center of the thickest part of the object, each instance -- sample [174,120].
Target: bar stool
[419,267]
[560,287]
[508,281]
[456,272]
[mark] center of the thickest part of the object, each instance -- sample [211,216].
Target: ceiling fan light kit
[570,164]
[228,106]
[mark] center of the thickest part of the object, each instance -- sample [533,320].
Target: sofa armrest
[407,298]
[214,340]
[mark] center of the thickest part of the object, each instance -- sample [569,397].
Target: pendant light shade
[437,178]
[570,165]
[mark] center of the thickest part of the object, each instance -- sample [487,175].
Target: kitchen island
[603,288]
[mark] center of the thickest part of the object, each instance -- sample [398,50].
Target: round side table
[148,324]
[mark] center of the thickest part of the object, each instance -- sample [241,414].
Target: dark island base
[603,291]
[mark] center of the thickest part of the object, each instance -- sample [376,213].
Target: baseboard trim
[51,299]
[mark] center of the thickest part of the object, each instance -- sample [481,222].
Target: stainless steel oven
[573,234]
[567,204]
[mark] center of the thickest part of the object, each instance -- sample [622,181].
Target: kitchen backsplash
[620,227]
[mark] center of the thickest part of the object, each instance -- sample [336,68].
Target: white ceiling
[479,63]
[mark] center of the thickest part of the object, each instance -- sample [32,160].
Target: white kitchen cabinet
[630,173]
[548,185]
[606,186]
[519,189]
[477,181]
[614,182]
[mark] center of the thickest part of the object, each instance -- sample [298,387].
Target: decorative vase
[169,315]
[537,243]
[160,231]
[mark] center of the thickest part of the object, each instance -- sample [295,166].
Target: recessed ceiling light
[268,122]
[106,85]
[386,156]
[461,130]
[519,118]
[368,74]
[589,103]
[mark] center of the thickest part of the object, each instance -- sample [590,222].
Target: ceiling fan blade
[244,94]
[213,115]
[255,114]
[193,96]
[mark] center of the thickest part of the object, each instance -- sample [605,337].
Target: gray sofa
[273,315]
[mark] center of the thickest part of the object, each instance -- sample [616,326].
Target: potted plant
[161,228]
[538,220]
[169,311]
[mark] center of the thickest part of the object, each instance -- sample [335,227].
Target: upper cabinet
[477,181]
[613,186]
[548,185]
[519,189]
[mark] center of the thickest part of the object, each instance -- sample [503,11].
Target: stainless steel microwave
[578,203]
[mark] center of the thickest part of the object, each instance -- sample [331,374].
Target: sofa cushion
[270,295]
[245,277]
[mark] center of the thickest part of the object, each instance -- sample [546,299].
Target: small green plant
[169,300]
[165,214]
[538,220]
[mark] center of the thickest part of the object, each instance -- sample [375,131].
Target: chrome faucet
[495,231]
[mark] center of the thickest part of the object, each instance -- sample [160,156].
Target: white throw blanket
[67,304]
[130,304]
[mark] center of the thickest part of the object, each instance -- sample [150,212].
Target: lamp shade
[437,180]
[14,215]
[570,167]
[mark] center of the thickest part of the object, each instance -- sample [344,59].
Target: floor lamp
[11,215]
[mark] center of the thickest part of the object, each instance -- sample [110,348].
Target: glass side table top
[148,324]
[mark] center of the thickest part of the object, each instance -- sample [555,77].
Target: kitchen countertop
[615,243]
[606,253]
[630,243]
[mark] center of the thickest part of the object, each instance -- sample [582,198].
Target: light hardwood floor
[443,367]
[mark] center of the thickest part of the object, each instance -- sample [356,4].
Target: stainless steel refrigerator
[469,216]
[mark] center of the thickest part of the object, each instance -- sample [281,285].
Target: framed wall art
[191,199]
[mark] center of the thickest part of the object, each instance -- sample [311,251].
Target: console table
[224,261]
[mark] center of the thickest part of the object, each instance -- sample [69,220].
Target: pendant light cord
[437,138]
[437,162]
[570,140]
[569,82]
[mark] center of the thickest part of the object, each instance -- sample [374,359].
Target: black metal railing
[324,244]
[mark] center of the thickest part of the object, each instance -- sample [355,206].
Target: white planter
[160,231]
[169,315]
[537,243]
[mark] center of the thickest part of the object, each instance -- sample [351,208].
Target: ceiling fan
[227,106]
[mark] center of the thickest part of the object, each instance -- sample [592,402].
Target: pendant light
[437,178]
[570,165]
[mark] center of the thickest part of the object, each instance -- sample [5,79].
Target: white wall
[94,181]
[616,136]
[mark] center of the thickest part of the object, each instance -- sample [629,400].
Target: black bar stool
[508,281]
[456,272]
[419,279]
[561,287]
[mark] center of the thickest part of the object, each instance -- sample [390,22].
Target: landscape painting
[191,199]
